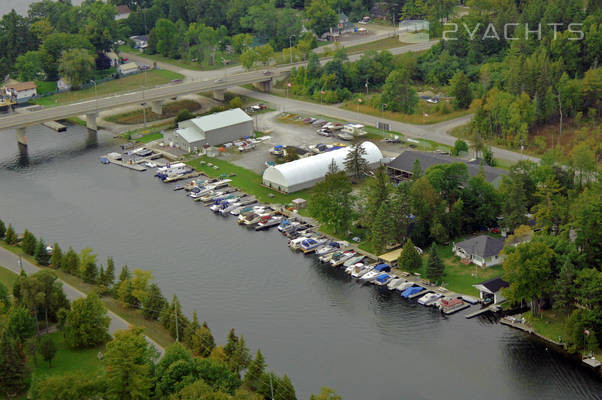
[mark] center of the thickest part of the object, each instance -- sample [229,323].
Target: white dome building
[306,172]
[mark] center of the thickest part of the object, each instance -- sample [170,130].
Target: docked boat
[351,268]
[311,244]
[241,203]
[267,222]
[470,299]
[412,290]
[346,255]
[451,305]
[296,243]
[378,269]
[361,270]
[256,219]
[394,283]
[285,222]
[404,285]
[332,247]
[382,280]
[353,261]
[242,210]
[429,299]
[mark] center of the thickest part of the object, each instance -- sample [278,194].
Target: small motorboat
[394,283]
[378,269]
[353,261]
[351,268]
[296,243]
[346,255]
[311,244]
[411,291]
[404,285]
[359,271]
[429,299]
[382,279]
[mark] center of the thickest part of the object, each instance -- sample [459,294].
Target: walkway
[11,261]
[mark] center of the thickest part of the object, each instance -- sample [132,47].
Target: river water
[309,320]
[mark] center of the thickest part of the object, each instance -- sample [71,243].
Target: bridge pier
[21,136]
[157,107]
[218,94]
[91,121]
[264,86]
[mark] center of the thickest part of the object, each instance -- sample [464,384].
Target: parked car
[345,136]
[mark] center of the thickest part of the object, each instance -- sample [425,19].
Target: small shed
[391,257]
[140,41]
[128,68]
[299,203]
[491,289]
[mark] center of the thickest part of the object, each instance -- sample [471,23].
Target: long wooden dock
[134,166]
[492,308]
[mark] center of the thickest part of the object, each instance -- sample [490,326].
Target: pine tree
[434,267]
[332,167]
[355,162]
[28,244]
[124,274]
[56,260]
[381,229]
[10,236]
[191,330]
[2,229]
[204,343]
[70,262]
[90,274]
[287,389]
[255,371]
[231,344]
[565,288]
[41,254]
[48,349]
[13,367]
[241,357]
[409,259]
[109,276]
[153,302]
[460,89]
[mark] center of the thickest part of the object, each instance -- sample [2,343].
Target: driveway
[11,261]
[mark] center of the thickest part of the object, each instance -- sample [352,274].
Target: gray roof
[405,162]
[495,284]
[221,119]
[483,246]
[191,135]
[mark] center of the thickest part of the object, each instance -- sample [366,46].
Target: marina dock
[419,294]
[492,308]
[180,177]
[134,166]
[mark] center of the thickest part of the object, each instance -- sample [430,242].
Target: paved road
[436,132]
[11,261]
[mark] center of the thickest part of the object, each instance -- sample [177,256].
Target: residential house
[21,92]
[128,68]
[140,41]
[122,12]
[483,250]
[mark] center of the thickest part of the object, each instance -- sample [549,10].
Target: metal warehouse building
[306,172]
[212,129]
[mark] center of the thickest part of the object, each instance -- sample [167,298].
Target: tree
[416,170]
[409,259]
[87,266]
[282,387]
[382,229]
[30,66]
[248,58]
[355,162]
[290,154]
[56,260]
[87,323]
[434,266]
[70,262]
[320,16]
[28,244]
[264,53]
[241,357]
[588,290]
[460,89]
[564,288]
[153,302]
[398,93]
[4,298]
[21,324]
[331,202]
[108,278]
[202,342]
[41,254]
[129,361]
[255,371]
[13,366]
[528,270]
[459,147]
[68,386]
[241,42]
[47,349]
[587,214]
[10,236]
[2,229]
[173,320]
[77,66]
[184,115]
[326,394]
[236,102]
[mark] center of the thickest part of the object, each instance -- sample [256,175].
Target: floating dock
[180,177]
[491,308]
[55,126]
[134,166]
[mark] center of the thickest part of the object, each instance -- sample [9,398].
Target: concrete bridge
[155,96]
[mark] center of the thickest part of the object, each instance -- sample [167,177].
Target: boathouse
[491,289]
[306,172]
[483,250]
[400,168]
[211,130]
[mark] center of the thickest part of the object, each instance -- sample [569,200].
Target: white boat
[296,243]
[353,261]
[429,299]
[395,282]
[403,286]
[336,261]
[361,271]
[332,247]
[352,267]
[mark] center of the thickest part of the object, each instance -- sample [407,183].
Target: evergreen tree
[20,324]
[124,274]
[191,330]
[10,236]
[70,262]
[241,357]
[172,317]
[109,276]
[460,89]
[47,349]
[409,259]
[355,162]
[434,266]
[90,274]
[153,303]
[255,371]
[381,229]
[13,367]
[203,342]
[56,260]
[564,294]
[41,254]
[28,244]
[231,344]
[2,229]
[376,192]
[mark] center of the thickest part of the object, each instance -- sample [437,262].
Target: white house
[122,12]
[21,91]
[140,42]
[128,68]
[492,289]
[482,250]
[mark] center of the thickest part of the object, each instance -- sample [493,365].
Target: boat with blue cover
[411,291]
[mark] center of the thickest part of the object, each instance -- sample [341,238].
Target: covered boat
[411,290]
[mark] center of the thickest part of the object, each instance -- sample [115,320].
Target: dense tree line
[195,367]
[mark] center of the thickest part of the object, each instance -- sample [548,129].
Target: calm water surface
[311,322]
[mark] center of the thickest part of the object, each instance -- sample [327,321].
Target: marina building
[306,172]
[211,130]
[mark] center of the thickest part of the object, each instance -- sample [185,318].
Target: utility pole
[177,331]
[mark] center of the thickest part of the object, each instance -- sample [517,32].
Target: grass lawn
[170,110]
[204,66]
[150,137]
[246,180]
[128,83]
[550,325]
[8,278]
[152,329]
[435,115]
[69,360]
[45,87]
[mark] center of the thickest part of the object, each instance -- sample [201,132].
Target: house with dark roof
[482,250]
[491,289]
[400,168]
